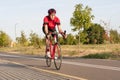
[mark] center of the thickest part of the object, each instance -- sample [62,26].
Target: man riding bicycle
[49,25]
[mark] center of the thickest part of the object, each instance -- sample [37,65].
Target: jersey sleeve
[57,21]
[45,21]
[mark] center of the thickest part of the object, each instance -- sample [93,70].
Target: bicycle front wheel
[48,61]
[57,57]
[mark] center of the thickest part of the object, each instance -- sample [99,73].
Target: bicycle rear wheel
[57,57]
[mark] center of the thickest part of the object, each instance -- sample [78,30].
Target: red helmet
[50,11]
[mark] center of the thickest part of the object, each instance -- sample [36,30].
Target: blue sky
[28,14]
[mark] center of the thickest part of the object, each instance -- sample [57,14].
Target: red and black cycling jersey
[51,23]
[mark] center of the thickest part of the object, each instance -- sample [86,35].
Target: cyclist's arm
[46,29]
[59,29]
[45,24]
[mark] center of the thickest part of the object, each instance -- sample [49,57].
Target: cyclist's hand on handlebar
[64,34]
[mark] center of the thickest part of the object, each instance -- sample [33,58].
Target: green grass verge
[99,56]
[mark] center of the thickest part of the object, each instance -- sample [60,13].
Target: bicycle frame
[53,46]
[55,51]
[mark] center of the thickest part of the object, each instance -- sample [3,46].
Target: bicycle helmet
[50,11]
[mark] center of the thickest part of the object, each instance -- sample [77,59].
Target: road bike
[55,51]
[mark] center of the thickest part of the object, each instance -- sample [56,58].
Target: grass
[103,51]
[102,56]
[24,50]
[99,56]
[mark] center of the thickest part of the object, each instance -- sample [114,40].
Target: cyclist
[49,25]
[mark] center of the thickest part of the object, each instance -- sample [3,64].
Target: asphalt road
[26,67]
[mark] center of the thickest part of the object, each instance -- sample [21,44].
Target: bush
[4,39]
[35,40]
[22,40]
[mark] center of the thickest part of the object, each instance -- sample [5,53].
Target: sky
[27,15]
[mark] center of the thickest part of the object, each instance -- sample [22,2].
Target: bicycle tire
[48,61]
[58,61]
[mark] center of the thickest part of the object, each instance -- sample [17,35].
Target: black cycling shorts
[49,30]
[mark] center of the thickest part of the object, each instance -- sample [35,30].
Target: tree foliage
[71,40]
[95,34]
[81,17]
[114,36]
[4,39]
[22,40]
[35,40]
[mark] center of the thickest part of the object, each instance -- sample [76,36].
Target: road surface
[27,67]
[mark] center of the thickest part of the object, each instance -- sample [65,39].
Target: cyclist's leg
[47,44]
[46,41]
[56,36]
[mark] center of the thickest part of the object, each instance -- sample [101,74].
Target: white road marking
[93,65]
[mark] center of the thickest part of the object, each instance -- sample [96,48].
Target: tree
[81,18]
[83,36]
[4,39]
[22,40]
[71,40]
[61,41]
[35,40]
[95,34]
[114,36]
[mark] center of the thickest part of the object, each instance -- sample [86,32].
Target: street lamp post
[15,30]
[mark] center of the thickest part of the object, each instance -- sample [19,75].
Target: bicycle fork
[53,48]
[52,51]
